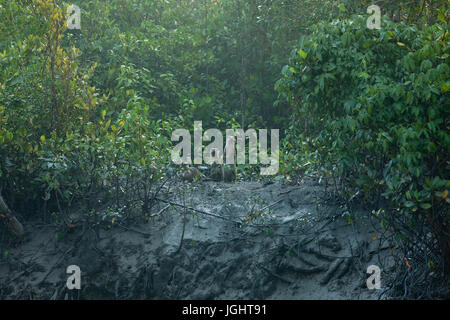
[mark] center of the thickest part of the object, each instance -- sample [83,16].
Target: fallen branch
[160,211]
[134,230]
[142,232]
[289,191]
[271,205]
[197,210]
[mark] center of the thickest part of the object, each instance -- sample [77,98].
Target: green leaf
[342,8]
[445,86]
[409,204]
[442,18]
[303,54]
[425,206]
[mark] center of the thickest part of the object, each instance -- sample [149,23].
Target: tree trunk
[14,226]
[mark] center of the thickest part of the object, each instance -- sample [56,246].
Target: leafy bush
[371,107]
[60,140]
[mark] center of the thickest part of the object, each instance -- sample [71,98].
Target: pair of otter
[218,171]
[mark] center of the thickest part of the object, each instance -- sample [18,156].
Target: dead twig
[160,211]
[289,191]
[197,210]
[271,205]
[134,230]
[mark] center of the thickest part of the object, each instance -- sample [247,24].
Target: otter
[224,172]
[192,174]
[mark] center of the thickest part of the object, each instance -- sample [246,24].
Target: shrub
[371,107]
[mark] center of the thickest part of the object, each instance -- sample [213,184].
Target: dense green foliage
[372,108]
[65,93]
[374,105]
[61,139]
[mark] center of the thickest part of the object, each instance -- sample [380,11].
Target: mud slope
[245,241]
